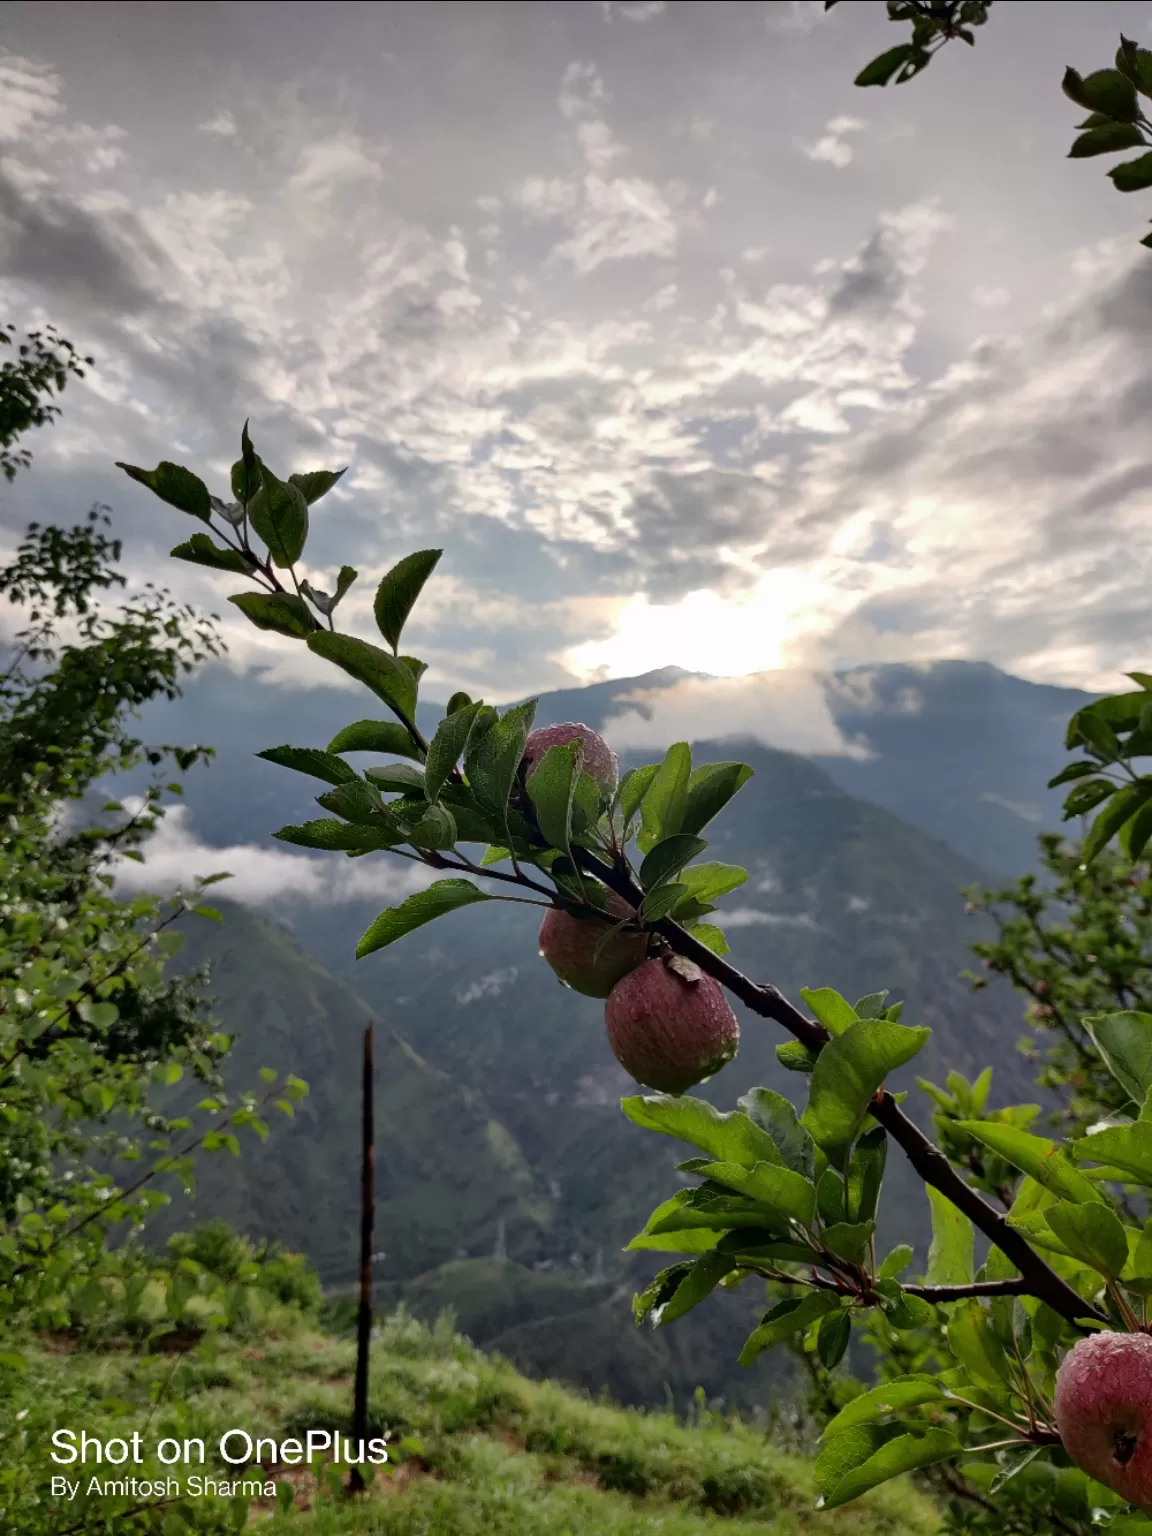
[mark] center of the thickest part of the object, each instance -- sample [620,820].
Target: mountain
[498,1111]
[453,1183]
[958,749]
[509,1179]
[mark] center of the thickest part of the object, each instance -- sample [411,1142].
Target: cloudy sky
[686,350]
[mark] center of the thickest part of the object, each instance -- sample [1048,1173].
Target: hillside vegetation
[485,1451]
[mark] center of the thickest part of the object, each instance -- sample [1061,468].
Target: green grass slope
[489,1452]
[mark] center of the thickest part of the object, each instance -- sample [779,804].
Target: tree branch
[930,1163]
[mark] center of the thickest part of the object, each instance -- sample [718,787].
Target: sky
[685,350]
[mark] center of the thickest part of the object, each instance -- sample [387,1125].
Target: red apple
[670,1025]
[600,762]
[1103,1409]
[569,945]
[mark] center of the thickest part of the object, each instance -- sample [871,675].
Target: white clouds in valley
[686,351]
[261,875]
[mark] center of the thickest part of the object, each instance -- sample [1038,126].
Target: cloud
[262,877]
[339,160]
[633,10]
[221,125]
[786,710]
[832,147]
[544,352]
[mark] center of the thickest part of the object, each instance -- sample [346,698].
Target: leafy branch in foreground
[785,1196]
[1117,119]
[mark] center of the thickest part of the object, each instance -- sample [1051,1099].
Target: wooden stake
[356,1483]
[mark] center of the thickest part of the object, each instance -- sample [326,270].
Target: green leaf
[866,1174]
[1123,805]
[201,550]
[279,514]
[1036,1156]
[246,470]
[397,593]
[659,1290]
[664,804]
[871,1454]
[1105,140]
[1124,1040]
[423,907]
[397,778]
[833,1011]
[707,1206]
[729,1138]
[1135,64]
[1127,1147]
[773,1114]
[896,1262]
[387,677]
[682,1240]
[705,882]
[848,1071]
[701,1279]
[314,483]
[492,762]
[786,1320]
[1134,835]
[552,789]
[1073,771]
[831,1198]
[851,1240]
[375,736]
[881,69]
[1086,796]
[668,858]
[764,1245]
[633,787]
[950,1256]
[283,612]
[832,1339]
[1014,1461]
[177,486]
[339,836]
[797,1057]
[890,1397]
[448,746]
[1092,1233]
[709,935]
[662,901]
[359,802]
[871,1006]
[1132,175]
[1104,90]
[976,1347]
[709,790]
[789,1196]
[312,761]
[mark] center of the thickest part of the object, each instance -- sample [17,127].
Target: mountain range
[509,1180]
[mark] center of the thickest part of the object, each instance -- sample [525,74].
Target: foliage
[476,1449]
[1076,940]
[785,1196]
[1117,119]
[933,25]
[41,363]
[93,1037]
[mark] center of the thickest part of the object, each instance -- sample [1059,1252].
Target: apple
[670,1025]
[569,945]
[1103,1407]
[600,762]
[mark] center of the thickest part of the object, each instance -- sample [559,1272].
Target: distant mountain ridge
[958,749]
[510,1181]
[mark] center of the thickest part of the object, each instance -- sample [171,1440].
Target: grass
[490,1453]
